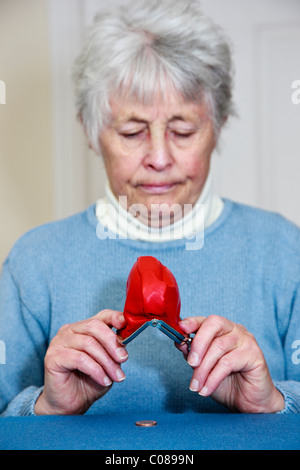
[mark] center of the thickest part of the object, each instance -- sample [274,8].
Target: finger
[90,346]
[112,318]
[183,347]
[213,326]
[69,360]
[191,324]
[228,364]
[100,331]
[218,348]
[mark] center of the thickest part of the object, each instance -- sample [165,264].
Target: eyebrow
[177,118]
[137,120]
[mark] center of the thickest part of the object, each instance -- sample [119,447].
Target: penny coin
[146,423]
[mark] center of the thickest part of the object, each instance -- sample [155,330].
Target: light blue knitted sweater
[248,271]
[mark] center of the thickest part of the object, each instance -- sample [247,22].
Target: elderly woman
[153,87]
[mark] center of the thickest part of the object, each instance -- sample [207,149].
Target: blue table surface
[173,432]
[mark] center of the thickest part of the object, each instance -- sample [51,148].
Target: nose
[159,155]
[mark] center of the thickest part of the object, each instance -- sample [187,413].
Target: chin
[162,212]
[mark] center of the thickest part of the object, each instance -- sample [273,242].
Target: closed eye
[132,135]
[184,135]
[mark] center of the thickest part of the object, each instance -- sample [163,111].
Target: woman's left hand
[229,366]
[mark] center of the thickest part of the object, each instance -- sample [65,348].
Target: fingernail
[194,385]
[122,353]
[193,359]
[120,375]
[107,381]
[203,391]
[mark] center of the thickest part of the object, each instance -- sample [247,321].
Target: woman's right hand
[81,364]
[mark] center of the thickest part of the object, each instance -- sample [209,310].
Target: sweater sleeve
[290,388]
[24,344]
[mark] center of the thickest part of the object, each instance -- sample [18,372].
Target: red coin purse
[152,299]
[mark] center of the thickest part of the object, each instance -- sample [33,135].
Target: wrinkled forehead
[168,106]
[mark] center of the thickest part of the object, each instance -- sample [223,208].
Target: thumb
[191,324]
[113,318]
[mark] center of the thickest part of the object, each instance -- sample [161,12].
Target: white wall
[260,161]
[26,166]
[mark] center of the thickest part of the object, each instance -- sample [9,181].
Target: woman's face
[158,154]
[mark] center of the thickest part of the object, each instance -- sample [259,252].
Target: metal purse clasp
[164,328]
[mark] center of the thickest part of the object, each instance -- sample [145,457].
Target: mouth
[157,188]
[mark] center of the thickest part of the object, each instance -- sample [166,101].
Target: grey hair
[146,47]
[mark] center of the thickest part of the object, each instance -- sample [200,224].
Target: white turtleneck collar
[112,215]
